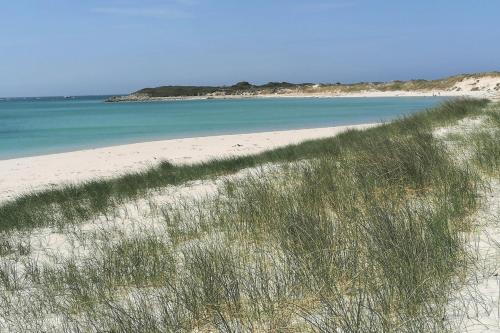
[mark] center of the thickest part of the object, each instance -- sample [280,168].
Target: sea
[38,126]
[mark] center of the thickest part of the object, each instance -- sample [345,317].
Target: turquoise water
[40,126]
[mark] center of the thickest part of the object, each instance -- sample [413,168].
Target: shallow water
[48,125]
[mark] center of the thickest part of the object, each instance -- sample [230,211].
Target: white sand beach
[23,175]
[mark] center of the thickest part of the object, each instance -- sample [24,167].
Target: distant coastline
[481,85]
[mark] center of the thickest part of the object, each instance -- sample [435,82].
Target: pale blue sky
[69,47]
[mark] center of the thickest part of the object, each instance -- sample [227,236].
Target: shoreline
[5,158]
[140,99]
[27,174]
[363,94]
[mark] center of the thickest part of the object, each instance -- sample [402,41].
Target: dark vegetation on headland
[247,89]
[238,88]
[362,232]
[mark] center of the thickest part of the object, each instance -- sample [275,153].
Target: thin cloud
[162,12]
[322,6]
[187,2]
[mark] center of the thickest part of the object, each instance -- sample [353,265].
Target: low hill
[476,85]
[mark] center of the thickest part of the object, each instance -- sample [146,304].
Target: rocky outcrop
[129,98]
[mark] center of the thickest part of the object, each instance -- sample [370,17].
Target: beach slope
[23,175]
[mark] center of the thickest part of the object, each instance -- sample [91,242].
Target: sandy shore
[22,175]
[494,95]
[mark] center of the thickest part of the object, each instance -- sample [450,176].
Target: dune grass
[357,233]
[486,144]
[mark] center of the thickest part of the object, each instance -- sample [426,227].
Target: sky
[85,47]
